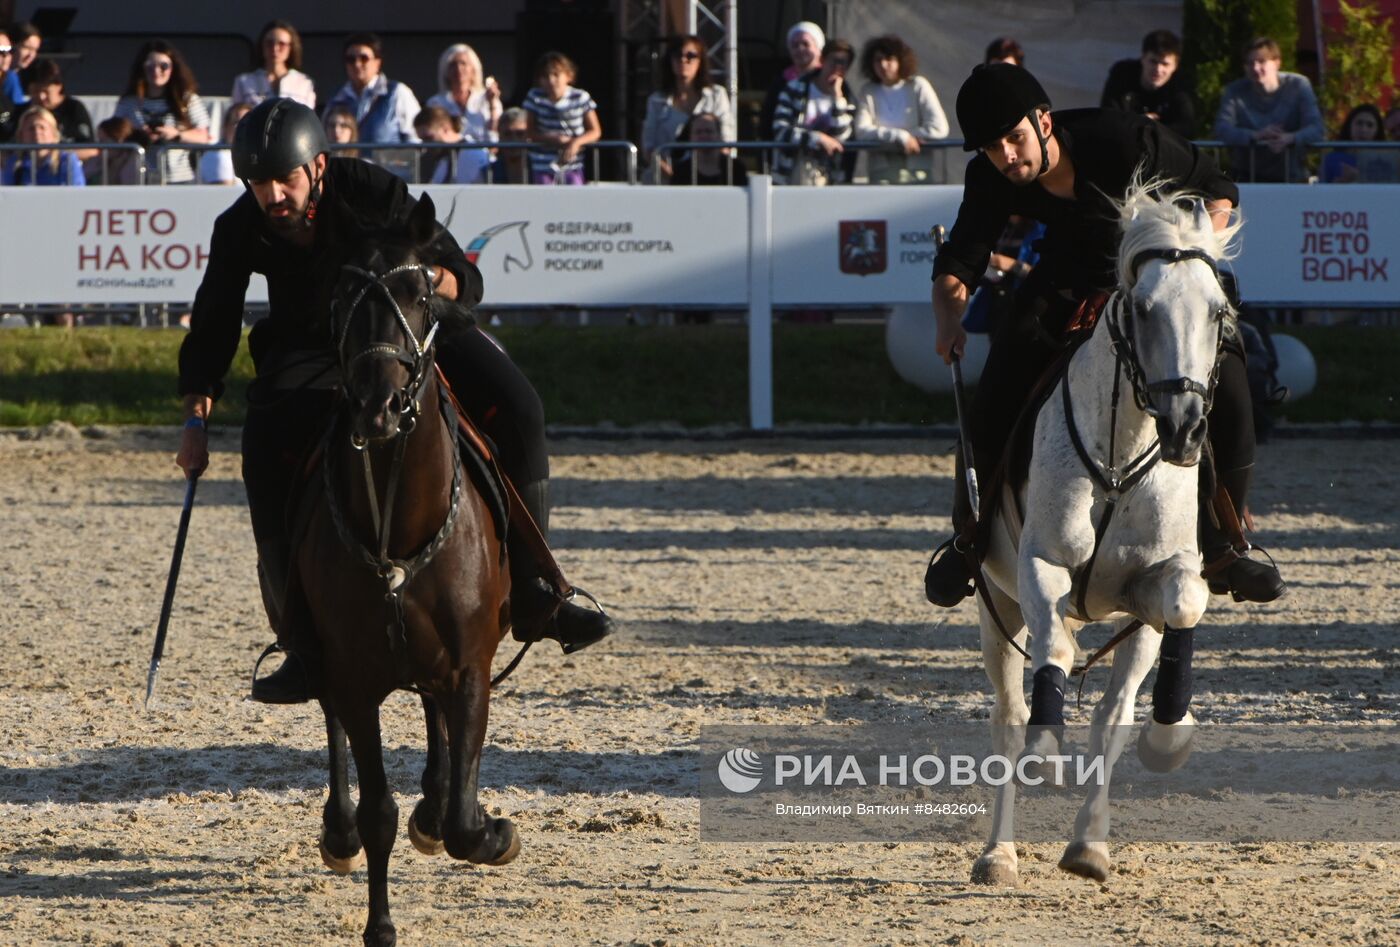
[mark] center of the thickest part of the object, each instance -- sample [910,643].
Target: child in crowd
[562,116]
[437,124]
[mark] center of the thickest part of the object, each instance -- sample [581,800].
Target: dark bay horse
[403,574]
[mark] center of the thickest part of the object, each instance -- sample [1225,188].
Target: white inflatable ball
[1297,369]
[909,340]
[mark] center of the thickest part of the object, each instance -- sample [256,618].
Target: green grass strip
[624,375]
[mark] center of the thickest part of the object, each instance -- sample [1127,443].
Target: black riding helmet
[994,99]
[274,139]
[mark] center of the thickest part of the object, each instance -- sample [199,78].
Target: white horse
[1108,531]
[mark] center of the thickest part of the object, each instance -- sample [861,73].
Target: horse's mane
[375,236]
[1153,216]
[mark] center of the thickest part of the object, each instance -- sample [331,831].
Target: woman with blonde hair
[44,166]
[278,72]
[467,94]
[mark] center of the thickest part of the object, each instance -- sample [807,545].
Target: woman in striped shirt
[162,101]
[561,116]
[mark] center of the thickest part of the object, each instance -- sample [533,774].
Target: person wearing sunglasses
[162,101]
[276,72]
[9,108]
[385,109]
[686,91]
[815,116]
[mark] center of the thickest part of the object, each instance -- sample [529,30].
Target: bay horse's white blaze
[1148,564]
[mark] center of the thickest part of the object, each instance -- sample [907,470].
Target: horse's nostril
[1198,433]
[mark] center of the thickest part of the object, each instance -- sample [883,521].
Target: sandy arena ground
[757,582]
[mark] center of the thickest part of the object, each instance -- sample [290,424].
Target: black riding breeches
[1231,418]
[277,436]
[499,399]
[283,426]
[1021,351]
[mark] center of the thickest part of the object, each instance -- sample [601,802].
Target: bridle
[1113,481]
[1124,342]
[394,573]
[418,361]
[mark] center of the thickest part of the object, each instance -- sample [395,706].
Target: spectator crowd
[831,105]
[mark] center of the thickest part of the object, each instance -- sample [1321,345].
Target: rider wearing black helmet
[1065,169]
[297,197]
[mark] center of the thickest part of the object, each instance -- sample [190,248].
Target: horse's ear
[422,222]
[1200,216]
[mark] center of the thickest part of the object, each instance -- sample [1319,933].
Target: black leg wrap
[1171,694]
[1048,697]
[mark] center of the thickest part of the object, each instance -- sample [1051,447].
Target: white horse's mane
[1154,216]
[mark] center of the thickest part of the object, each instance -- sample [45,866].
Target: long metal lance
[965,442]
[174,577]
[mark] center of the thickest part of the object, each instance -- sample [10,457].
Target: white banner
[108,244]
[603,246]
[857,245]
[1324,245]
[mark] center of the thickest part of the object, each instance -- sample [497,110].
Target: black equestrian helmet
[276,138]
[994,99]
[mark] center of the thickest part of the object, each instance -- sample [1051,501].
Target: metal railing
[938,147]
[148,164]
[138,155]
[1255,152]
[404,158]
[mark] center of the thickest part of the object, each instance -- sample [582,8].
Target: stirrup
[603,630]
[1215,573]
[275,689]
[959,554]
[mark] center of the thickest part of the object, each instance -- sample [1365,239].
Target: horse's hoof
[341,866]
[506,829]
[1162,760]
[991,870]
[423,842]
[1086,859]
[381,935]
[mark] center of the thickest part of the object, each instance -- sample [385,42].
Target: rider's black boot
[288,684]
[573,626]
[1229,567]
[948,580]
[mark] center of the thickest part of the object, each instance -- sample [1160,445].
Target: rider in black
[1065,169]
[296,198]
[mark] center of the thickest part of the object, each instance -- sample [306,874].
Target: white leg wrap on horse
[1171,695]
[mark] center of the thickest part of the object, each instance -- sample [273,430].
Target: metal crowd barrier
[403,158]
[1224,154]
[105,147]
[939,146]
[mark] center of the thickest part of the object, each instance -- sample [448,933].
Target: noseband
[416,361]
[1124,344]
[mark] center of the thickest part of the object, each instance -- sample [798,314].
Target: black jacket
[1081,238]
[358,195]
[1171,103]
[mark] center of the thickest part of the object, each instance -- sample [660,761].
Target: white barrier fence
[599,246]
